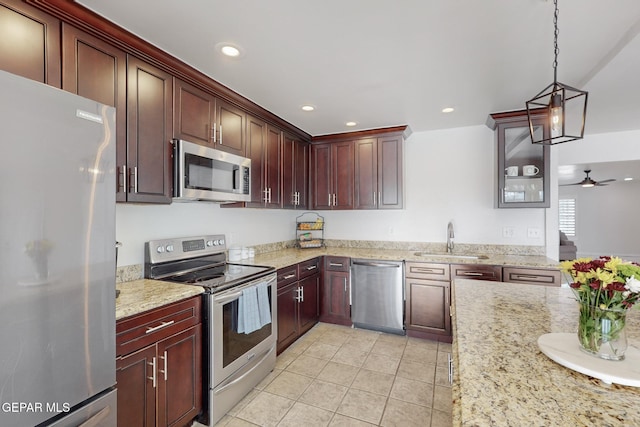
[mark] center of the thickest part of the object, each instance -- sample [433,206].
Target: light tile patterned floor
[339,376]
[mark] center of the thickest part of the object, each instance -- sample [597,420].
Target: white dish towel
[253,308]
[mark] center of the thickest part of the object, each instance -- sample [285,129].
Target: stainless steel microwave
[203,173]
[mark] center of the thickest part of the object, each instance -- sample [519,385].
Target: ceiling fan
[589,182]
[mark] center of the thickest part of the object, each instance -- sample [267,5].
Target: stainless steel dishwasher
[377,295]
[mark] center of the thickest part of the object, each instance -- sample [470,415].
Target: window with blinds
[567,212]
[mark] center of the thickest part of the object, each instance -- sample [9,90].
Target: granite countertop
[287,257]
[145,294]
[501,378]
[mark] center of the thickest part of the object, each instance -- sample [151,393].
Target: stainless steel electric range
[240,326]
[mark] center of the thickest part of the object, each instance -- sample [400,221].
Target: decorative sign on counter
[564,349]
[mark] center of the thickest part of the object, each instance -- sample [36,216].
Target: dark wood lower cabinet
[160,384]
[298,301]
[336,306]
[428,306]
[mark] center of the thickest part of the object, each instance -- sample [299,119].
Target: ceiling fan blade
[566,185]
[606,180]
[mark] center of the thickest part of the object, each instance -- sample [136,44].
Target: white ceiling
[383,63]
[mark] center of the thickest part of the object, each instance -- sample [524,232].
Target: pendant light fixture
[566,107]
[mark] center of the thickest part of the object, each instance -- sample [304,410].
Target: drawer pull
[424,270]
[153,367]
[289,276]
[160,326]
[164,358]
[335,264]
[528,276]
[471,273]
[312,267]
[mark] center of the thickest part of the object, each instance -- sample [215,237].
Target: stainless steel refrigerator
[57,257]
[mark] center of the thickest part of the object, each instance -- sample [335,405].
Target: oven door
[229,349]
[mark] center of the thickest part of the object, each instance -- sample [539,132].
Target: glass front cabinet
[523,167]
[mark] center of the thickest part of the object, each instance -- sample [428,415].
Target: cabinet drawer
[427,271]
[536,276]
[336,263]
[287,275]
[146,328]
[307,268]
[476,271]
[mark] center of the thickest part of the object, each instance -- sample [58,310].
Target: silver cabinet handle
[160,326]
[297,297]
[153,366]
[334,199]
[377,264]
[424,270]
[133,179]
[374,198]
[214,133]
[471,273]
[301,294]
[265,199]
[221,134]
[312,267]
[289,276]
[345,284]
[528,276]
[450,362]
[164,358]
[122,178]
[269,194]
[335,264]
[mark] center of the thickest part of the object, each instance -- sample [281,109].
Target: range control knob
[160,249]
[209,243]
[216,242]
[169,248]
[221,241]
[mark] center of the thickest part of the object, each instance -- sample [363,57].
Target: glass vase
[601,332]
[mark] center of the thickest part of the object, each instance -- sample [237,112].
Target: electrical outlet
[508,231]
[534,233]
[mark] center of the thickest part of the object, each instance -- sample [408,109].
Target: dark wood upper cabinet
[295,174]
[271,165]
[378,173]
[230,128]
[256,141]
[29,42]
[523,167]
[332,175]
[149,122]
[97,70]
[366,174]
[194,114]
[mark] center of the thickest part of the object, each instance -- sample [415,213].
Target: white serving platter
[564,349]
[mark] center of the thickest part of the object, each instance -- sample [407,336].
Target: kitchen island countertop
[142,295]
[501,378]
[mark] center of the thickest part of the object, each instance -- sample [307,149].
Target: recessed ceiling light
[308,108]
[351,123]
[628,179]
[229,49]
[447,110]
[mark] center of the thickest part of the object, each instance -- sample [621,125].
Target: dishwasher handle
[376,264]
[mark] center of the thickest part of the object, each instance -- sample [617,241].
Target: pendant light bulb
[555,113]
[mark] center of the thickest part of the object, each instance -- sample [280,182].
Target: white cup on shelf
[511,171]
[530,170]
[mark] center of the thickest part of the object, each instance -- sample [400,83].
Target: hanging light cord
[555,43]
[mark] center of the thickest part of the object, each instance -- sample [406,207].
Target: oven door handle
[227,298]
[240,378]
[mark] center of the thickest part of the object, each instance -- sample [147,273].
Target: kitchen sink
[448,255]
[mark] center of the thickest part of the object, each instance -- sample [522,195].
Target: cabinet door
[272,164]
[427,306]
[97,70]
[179,373]
[321,190]
[29,42]
[335,306]
[287,315]
[309,311]
[301,173]
[390,182]
[149,110]
[256,138]
[136,388]
[231,122]
[342,173]
[366,174]
[194,114]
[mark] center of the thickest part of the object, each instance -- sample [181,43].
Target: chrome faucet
[450,236]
